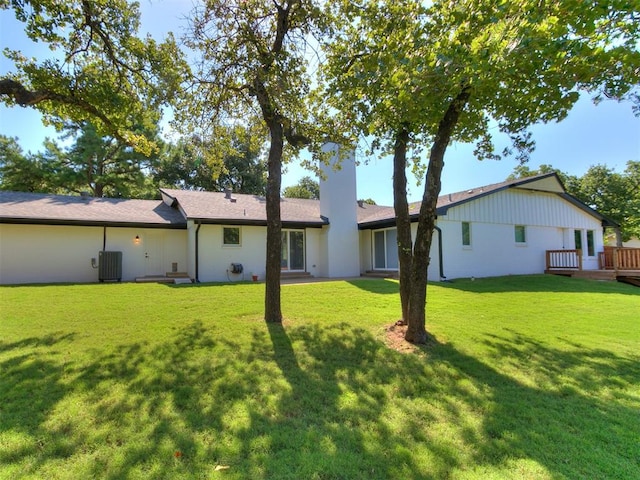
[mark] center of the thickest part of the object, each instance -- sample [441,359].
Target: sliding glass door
[385,249]
[292,250]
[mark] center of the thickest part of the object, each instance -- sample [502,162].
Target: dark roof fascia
[256,223]
[90,223]
[375,224]
[385,222]
[518,183]
[606,222]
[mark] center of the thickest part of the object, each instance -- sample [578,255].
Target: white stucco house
[499,229]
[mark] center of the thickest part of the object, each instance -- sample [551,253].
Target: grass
[527,377]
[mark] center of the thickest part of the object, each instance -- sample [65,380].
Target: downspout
[104,238]
[197,279]
[442,277]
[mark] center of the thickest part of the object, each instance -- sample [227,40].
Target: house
[499,229]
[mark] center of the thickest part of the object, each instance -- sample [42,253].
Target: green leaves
[390,64]
[99,69]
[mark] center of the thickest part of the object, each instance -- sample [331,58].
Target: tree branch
[27,98]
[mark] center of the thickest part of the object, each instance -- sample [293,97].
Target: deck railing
[619,258]
[564,259]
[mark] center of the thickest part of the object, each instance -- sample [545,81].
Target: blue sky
[605,134]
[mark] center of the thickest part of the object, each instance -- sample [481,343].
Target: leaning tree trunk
[416,330]
[403,223]
[272,307]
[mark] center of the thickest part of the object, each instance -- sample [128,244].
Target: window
[292,250]
[577,235]
[466,234]
[521,234]
[591,251]
[231,236]
[385,249]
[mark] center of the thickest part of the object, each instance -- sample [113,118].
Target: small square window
[466,234]
[231,236]
[521,234]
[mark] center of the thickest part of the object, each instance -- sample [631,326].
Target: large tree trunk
[416,330]
[272,308]
[403,223]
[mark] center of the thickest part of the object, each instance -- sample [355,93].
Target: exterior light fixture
[137,240]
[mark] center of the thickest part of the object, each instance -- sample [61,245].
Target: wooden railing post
[579,259]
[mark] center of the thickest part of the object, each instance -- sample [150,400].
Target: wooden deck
[621,264]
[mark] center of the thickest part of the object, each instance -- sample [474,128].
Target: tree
[252,59]
[242,167]
[20,172]
[307,187]
[100,70]
[102,165]
[425,75]
[614,195]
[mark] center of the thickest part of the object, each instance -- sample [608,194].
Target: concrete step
[380,274]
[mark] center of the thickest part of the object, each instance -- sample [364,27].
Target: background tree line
[105,166]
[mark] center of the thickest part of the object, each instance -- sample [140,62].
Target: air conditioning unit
[110,266]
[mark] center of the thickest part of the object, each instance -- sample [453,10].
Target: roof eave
[89,223]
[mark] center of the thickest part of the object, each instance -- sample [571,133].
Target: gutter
[197,279]
[440,265]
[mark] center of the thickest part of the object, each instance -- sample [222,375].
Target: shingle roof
[381,217]
[385,216]
[22,207]
[214,207]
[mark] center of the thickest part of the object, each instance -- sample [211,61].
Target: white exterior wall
[338,203]
[549,220]
[154,254]
[313,250]
[55,254]
[366,250]
[48,254]
[215,258]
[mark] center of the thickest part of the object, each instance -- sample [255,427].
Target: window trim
[385,249]
[577,236]
[591,245]
[287,233]
[462,226]
[224,239]
[524,235]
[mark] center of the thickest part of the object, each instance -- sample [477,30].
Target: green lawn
[528,377]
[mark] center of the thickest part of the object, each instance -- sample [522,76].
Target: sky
[606,134]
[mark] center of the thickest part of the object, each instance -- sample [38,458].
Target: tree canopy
[306,187]
[241,165]
[416,75]
[99,71]
[252,64]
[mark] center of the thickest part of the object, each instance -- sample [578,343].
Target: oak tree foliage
[99,70]
[420,75]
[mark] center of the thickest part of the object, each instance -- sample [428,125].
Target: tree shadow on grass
[378,286]
[323,401]
[30,387]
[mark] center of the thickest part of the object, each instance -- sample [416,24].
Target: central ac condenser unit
[110,266]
